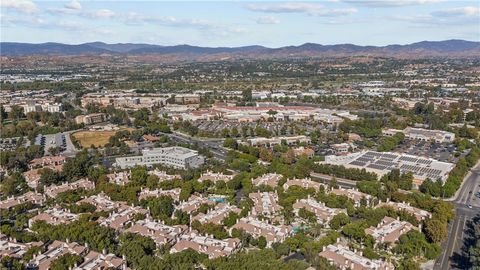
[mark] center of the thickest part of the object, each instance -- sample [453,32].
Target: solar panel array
[389,161]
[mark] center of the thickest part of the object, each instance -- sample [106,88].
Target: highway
[452,256]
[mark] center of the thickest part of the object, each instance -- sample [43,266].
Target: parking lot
[441,152]
[61,140]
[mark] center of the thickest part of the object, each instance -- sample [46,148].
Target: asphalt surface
[467,205]
[214,145]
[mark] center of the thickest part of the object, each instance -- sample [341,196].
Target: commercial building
[270,142]
[177,157]
[421,134]
[344,258]
[382,163]
[90,119]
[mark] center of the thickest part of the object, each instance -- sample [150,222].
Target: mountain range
[452,47]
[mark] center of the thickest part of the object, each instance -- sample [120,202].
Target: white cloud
[459,11]
[100,14]
[312,9]
[391,3]
[267,20]
[24,6]
[74,4]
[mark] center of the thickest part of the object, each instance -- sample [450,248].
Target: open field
[97,138]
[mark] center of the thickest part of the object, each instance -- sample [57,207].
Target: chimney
[104,251]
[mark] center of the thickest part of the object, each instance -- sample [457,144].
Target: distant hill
[424,48]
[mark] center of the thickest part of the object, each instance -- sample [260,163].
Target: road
[215,146]
[452,256]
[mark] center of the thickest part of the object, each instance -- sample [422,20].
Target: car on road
[469,206]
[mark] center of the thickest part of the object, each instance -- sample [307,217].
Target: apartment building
[257,228]
[323,213]
[146,193]
[47,161]
[103,203]
[389,230]
[96,261]
[32,177]
[193,203]
[215,177]
[119,178]
[29,197]
[90,119]
[53,190]
[269,179]
[344,258]
[160,233]
[304,183]
[216,215]
[265,203]
[13,249]
[207,245]
[54,216]
[353,194]
[418,213]
[123,216]
[164,176]
[54,251]
[176,157]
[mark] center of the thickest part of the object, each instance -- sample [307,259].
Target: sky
[239,23]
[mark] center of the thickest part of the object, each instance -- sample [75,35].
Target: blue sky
[239,23]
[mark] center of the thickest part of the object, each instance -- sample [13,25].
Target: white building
[177,157]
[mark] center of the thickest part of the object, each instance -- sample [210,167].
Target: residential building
[340,148]
[13,249]
[269,179]
[353,194]
[146,193]
[344,258]
[265,203]
[47,161]
[257,228]
[304,183]
[160,233]
[177,157]
[53,190]
[29,197]
[302,151]
[418,213]
[215,177]
[207,245]
[103,203]
[216,215]
[163,176]
[389,230]
[54,216]
[119,178]
[122,217]
[54,251]
[98,261]
[193,203]
[323,213]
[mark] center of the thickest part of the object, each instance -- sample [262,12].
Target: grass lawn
[97,138]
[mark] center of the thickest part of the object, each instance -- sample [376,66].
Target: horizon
[251,45]
[268,23]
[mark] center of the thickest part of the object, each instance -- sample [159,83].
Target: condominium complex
[257,228]
[389,230]
[344,258]
[212,247]
[323,213]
